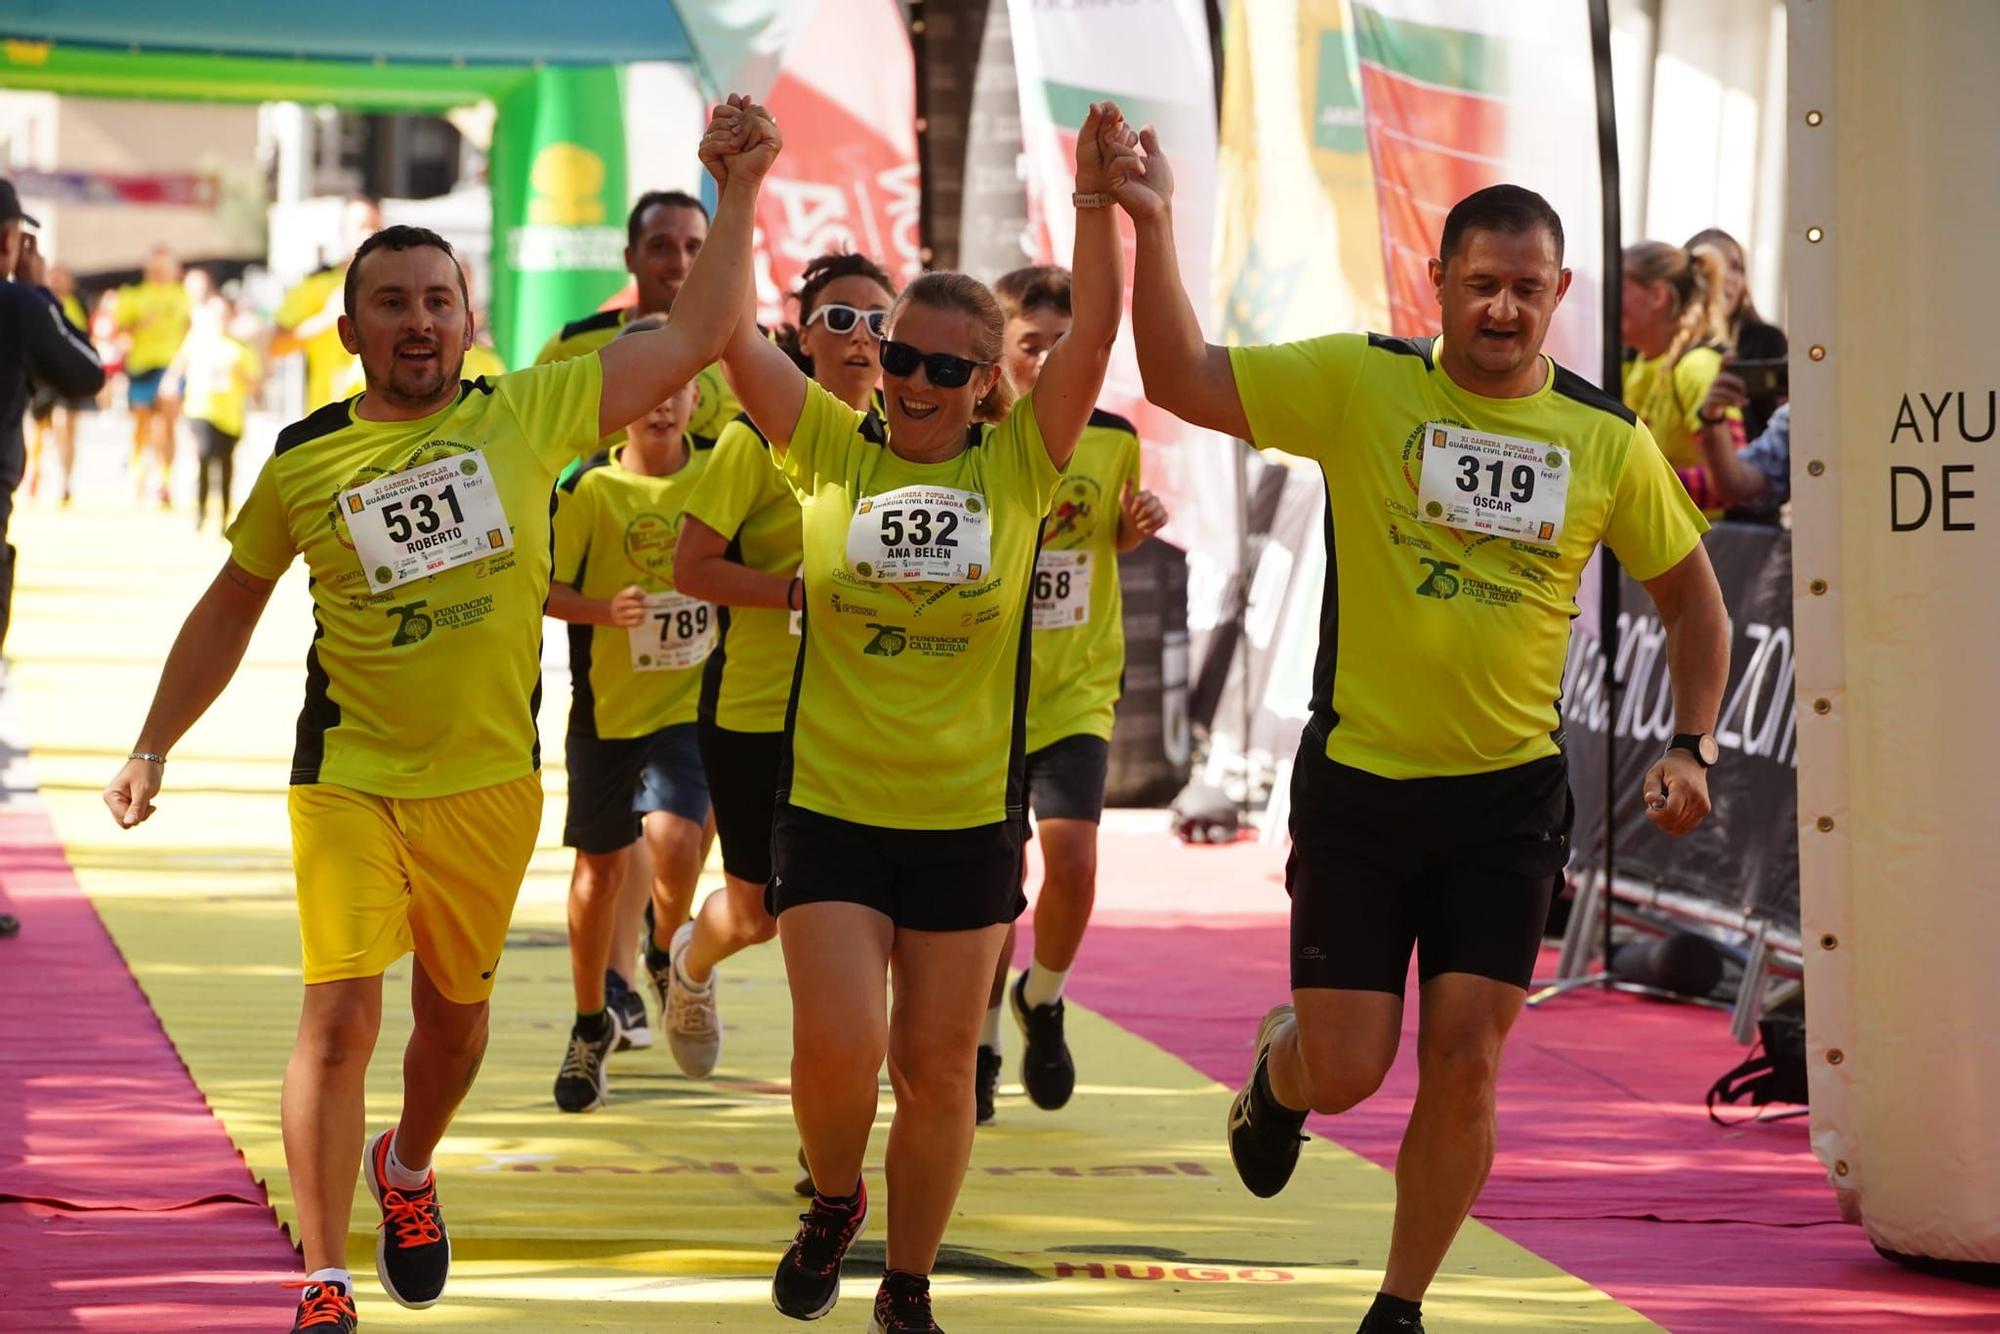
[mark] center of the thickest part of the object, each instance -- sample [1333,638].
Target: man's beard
[408,387]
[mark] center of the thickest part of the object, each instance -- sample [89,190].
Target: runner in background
[664,232]
[219,373]
[55,414]
[153,316]
[740,548]
[416,791]
[1077,616]
[636,653]
[308,317]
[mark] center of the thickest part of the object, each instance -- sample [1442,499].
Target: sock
[680,973]
[593,1027]
[847,1202]
[1391,1308]
[656,958]
[989,1032]
[332,1275]
[1261,1091]
[401,1177]
[1044,985]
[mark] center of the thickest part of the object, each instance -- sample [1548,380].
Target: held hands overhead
[741,142]
[1128,163]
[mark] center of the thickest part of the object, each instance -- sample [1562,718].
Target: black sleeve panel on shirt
[1111,421]
[1573,386]
[744,417]
[324,421]
[597,460]
[603,319]
[54,351]
[1420,348]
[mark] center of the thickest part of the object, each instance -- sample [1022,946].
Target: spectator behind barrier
[1750,334]
[1675,324]
[1755,481]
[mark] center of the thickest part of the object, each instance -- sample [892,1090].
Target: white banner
[1152,58]
[1896,185]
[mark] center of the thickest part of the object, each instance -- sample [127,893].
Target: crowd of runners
[843,597]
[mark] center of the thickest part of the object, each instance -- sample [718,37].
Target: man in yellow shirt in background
[308,316]
[153,316]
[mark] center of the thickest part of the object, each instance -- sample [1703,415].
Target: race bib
[426,519]
[1493,483]
[1062,590]
[678,632]
[929,534]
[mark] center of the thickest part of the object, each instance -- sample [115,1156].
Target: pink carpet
[1608,1163]
[123,1205]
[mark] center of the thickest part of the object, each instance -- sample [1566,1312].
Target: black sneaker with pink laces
[903,1305]
[324,1308]
[412,1249]
[807,1283]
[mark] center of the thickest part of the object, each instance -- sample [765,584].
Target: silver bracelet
[147,756]
[1095,199]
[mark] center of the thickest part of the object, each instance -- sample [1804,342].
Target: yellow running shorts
[380,876]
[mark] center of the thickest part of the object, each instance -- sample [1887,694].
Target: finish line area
[148,1120]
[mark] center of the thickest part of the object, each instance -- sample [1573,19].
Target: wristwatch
[1701,745]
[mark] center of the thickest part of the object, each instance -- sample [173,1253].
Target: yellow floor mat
[668,1208]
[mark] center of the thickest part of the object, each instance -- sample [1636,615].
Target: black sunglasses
[945,370]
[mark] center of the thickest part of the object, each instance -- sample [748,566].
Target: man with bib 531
[421,508]
[1468,480]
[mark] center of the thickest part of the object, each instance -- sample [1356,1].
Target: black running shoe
[807,1283]
[628,1007]
[1377,1323]
[412,1248]
[324,1308]
[1264,1137]
[581,1085]
[903,1305]
[986,1084]
[1046,1069]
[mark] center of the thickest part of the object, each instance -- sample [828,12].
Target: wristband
[1711,421]
[1095,199]
[795,594]
[148,756]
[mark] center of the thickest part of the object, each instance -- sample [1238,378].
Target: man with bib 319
[1468,481]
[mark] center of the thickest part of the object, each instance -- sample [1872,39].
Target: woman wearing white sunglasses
[740,549]
[900,823]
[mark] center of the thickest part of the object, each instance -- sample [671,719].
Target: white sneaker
[694,1032]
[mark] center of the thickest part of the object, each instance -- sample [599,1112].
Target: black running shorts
[922,879]
[1066,778]
[742,772]
[1460,868]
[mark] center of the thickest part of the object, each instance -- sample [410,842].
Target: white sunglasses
[841,319]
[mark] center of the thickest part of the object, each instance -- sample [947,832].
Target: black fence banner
[1746,854]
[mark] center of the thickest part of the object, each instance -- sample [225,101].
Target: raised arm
[1074,372]
[642,370]
[205,655]
[1183,372]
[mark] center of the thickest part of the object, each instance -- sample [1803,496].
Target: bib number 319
[1493,483]
[425,520]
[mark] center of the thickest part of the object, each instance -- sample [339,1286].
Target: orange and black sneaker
[324,1308]
[412,1249]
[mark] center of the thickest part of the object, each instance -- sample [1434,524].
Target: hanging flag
[1461,94]
[845,99]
